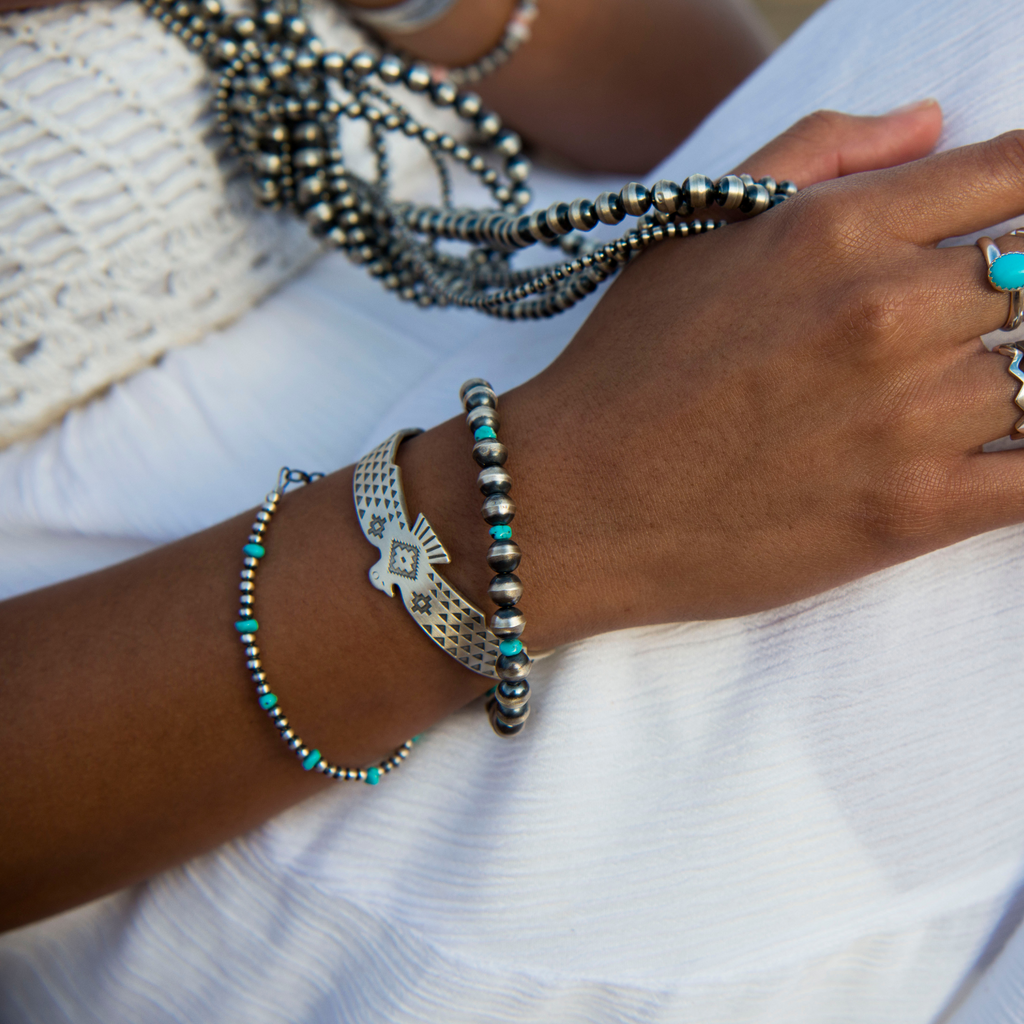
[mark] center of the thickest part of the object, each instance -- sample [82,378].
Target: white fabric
[811,816]
[124,229]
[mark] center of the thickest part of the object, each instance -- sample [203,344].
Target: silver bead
[582,215]
[698,190]
[469,104]
[307,133]
[786,188]
[248,574]
[504,556]
[252,651]
[512,694]
[746,179]
[756,200]
[254,663]
[488,125]
[513,666]
[494,480]
[636,200]
[483,416]
[263,517]
[390,68]
[310,157]
[247,585]
[729,192]
[259,677]
[258,528]
[507,725]
[444,93]
[609,208]
[262,689]
[286,733]
[518,168]
[505,589]
[498,510]
[333,63]
[480,394]
[249,562]
[247,598]
[508,143]
[769,183]
[556,216]
[417,77]
[507,623]
[666,196]
[267,163]
[472,383]
[255,538]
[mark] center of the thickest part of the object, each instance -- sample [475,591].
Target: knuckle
[874,312]
[818,126]
[1009,151]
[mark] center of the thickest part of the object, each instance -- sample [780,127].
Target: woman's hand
[762,413]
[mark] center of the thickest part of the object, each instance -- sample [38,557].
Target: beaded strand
[510,704]
[280,100]
[246,625]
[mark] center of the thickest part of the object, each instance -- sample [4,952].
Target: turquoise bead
[247,626]
[417,737]
[482,433]
[510,647]
[311,760]
[501,532]
[1007,272]
[255,550]
[372,776]
[268,700]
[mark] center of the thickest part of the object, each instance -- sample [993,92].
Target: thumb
[827,144]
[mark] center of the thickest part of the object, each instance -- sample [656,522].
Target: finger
[977,403]
[952,193]
[827,144]
[955,291]
[991,486]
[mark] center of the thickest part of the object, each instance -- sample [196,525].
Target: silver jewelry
[246,626]
[517,31]
[1015,371]
[402,18]
[277,101]
[992,255]
[509,706]
[407,554]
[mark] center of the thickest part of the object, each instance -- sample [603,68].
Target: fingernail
[916,105]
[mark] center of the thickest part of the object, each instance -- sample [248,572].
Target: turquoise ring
[1005,274]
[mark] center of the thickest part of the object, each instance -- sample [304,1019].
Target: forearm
[611,84]
[132,738]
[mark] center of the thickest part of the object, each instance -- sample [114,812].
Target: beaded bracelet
[510,704]
[247,625]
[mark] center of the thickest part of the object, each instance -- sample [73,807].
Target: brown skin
[742,456]
[632,77]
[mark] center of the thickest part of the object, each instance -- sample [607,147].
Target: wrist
[464,33]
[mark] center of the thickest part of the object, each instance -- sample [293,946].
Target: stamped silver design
[408,554]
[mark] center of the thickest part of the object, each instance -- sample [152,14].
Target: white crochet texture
[123,230]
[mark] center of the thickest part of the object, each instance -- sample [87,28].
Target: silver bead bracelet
[509,705]
[415,15]
[246,625]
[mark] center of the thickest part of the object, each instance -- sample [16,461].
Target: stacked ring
[1005,274]
[1015,371]
[510,704]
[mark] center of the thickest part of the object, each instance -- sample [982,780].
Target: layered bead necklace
[281,98]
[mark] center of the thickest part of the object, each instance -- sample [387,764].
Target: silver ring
[992,255]
[1015,371]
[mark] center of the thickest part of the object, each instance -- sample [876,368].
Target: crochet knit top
[124,229]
